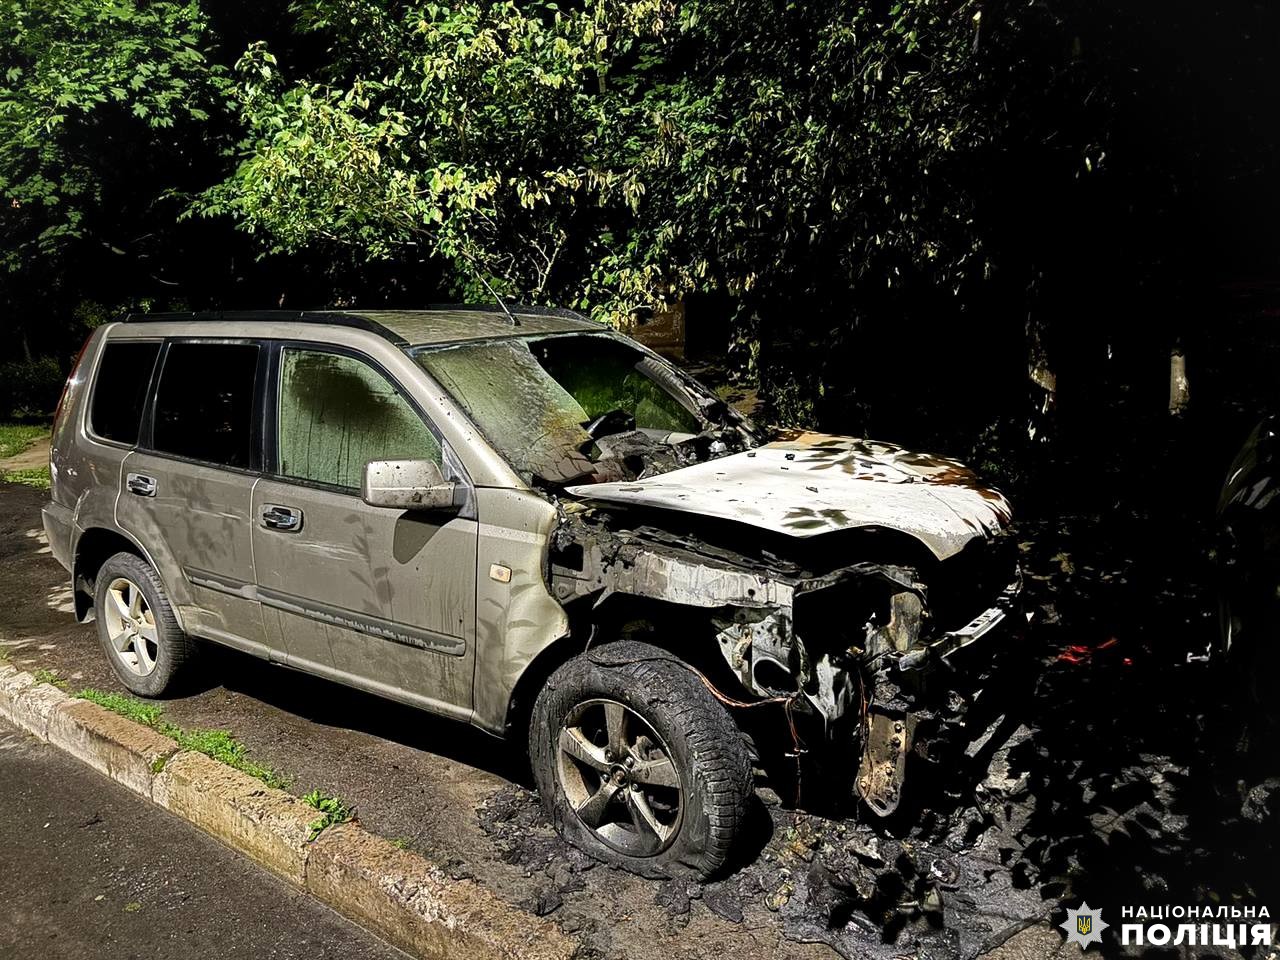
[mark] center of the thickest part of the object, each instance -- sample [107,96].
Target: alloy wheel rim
[619,779]
[131,627]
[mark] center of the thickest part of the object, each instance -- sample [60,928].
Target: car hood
[807,484]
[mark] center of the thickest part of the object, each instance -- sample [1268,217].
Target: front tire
[637,763]
[138,629]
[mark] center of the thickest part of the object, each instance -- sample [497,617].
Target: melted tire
[705,746]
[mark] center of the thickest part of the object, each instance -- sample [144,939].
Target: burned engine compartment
[848,643]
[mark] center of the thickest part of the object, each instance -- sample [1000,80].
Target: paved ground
[414,778]
[88,870]
[1100,786]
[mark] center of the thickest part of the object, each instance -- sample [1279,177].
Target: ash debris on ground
[833,881]
[1115,778]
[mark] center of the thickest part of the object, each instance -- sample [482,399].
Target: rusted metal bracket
[975,630]
[884,761]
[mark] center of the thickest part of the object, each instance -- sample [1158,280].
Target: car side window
[337,413]
[204,402]
[120,389]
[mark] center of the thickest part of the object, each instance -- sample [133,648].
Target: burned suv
[529,523]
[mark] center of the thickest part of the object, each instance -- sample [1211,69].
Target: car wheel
[137,627]
[637,763]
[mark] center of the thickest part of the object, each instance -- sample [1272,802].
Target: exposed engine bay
[852,647]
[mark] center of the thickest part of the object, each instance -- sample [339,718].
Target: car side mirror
[409,485]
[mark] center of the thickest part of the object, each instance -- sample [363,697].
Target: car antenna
[479,275]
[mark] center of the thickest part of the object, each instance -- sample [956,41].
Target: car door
[186,491]
[383,599]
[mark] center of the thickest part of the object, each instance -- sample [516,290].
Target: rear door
[380,598]
[186,492]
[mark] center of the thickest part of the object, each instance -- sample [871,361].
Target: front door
[380,598]
[186,492]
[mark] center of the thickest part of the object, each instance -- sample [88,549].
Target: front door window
[337,413]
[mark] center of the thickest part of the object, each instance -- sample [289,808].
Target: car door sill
[408,698]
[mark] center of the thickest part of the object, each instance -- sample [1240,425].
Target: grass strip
[16,437]
[218,745]
[37,477]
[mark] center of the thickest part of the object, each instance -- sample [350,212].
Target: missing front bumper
[906,695]
[1003,614]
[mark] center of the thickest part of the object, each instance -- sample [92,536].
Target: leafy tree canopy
[613,153]
[82,84]
[828,171]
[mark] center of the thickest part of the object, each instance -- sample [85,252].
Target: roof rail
[328,317]
[529,310]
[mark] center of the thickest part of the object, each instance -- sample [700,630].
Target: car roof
[408,328]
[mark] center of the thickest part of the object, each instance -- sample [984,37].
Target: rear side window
[124,373]
[204,402]
[337,413]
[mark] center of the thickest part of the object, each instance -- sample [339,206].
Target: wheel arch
[622,616]
[93,547]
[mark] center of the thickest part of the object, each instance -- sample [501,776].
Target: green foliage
[219,745]
[30,386]
[38,477]
[333,810]
[828,172]
[821,164]
[50,677]
[78,77]
[139,711]
[16,437]
[223,747]
[466,131]
[711,146]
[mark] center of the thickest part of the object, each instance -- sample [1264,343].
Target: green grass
[219,745]
[138,711]
[37,477]
[333,810]
[16,437]
[223,747]
[50,677]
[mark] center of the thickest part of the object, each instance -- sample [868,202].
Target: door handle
[140,485]
[281,518]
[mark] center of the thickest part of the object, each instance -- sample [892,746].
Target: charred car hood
[811,483]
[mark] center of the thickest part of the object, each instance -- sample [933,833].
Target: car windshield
[567,408]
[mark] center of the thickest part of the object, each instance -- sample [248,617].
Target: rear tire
[138,629]
[637,763]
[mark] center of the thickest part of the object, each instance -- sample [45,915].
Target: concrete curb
[398,894]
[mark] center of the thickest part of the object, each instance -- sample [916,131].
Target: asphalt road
[88,870]
[413,778]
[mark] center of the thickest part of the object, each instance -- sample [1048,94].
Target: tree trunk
[1179,388]
[1044,380]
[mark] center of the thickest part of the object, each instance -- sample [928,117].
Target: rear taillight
[66,387]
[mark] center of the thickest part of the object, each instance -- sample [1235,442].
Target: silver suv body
[447,507]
